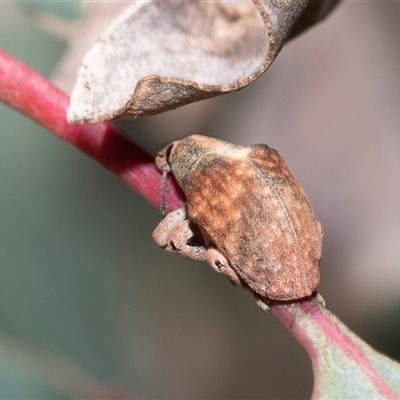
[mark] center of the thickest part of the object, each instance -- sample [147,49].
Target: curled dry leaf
[81,36]
[157,56]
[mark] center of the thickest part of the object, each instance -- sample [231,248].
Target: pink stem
[25,90]
[31,94]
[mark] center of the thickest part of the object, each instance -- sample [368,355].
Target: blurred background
[90,307]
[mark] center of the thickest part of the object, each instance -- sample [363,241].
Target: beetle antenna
[163,203]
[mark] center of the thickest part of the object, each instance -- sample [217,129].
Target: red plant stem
[31,94]
[25,90]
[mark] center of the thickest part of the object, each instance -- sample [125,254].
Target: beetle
[246,215]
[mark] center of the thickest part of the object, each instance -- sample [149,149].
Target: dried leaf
[82,35]
[157,56]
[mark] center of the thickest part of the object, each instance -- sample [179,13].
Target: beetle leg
[176,233]
[220,264]
[163,229]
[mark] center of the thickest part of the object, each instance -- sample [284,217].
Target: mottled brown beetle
[246,216]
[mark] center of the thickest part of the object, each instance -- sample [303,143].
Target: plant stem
[330,345]
[31,94]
